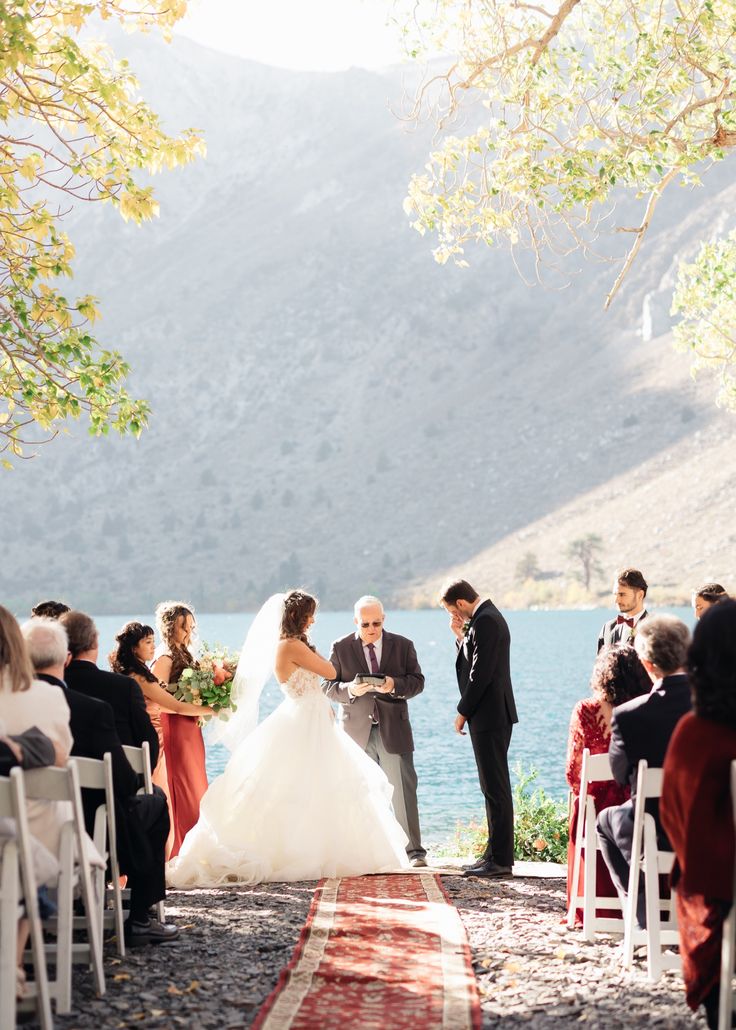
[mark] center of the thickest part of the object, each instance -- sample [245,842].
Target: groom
[377,717]
[487,706]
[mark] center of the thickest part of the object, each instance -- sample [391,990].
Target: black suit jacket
[612,631]
[642,728]
[125,698]
[484,672]
[93,728]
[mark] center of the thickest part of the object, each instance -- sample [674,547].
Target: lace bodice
[302,683]
[587,729]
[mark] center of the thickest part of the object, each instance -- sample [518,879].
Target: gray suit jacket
[399,660]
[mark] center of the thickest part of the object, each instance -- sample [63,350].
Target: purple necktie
[374,669]
[372,656]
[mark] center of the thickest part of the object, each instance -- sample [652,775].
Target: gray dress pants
[402,776]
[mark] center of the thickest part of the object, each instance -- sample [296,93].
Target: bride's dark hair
[298,607]
[123,659]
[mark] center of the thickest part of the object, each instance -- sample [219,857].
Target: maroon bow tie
[622,619]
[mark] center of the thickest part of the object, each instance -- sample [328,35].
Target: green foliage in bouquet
[540,826]
[210,683]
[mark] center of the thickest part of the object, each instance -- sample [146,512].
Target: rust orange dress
[185,760]
[159,774]
[587,729]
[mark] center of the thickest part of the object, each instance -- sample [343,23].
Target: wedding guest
[26,702]
[642,728]
[488,709]
[121,692]
[618,676]
[629,591]
[142,820]
[49,609]
[183,743]
[706,597]
[136,647]
[377,717]
[29,750]
[696,806]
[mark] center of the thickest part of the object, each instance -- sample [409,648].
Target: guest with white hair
[376,674]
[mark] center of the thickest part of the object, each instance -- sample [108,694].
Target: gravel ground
[530,970]
[533,972]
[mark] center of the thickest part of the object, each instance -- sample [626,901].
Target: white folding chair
[16,871]
[594,769]
[728,945]
[54,784]
[96,774]
[140,761]
[656,863]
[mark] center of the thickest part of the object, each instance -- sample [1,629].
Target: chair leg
[9,902]
[65,923]
[589,876]
[725,1000]
[651,892]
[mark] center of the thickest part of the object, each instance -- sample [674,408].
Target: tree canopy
[73,129]
[569,104]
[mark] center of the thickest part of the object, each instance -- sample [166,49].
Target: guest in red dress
[135,648]
[618,675]
[696,808]
[183,743]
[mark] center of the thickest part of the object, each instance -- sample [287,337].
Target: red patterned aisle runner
[377,952]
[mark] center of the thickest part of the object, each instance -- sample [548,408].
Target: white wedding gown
[298,800]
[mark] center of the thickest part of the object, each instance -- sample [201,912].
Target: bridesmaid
[185,755]
[135,649]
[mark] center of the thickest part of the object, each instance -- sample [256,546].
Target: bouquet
[210,682]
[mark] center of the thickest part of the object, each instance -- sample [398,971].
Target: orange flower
[539,844]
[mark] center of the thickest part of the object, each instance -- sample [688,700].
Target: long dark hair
[298,607]
[618,675]
[124,659]
[711,663]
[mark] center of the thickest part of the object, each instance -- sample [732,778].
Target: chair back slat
[49,784]
[91,773]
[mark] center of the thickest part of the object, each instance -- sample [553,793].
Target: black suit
[142,821]
[125,698]
[612,632]
[641,728]
[487,702]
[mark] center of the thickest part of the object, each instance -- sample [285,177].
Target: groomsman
[629,593]
[377,717]
[488,708]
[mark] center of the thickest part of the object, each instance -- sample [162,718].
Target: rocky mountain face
[333,409]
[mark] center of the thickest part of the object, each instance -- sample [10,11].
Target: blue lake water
[552,654]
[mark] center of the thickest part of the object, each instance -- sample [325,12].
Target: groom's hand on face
[457,623]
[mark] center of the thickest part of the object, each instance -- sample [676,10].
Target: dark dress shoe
[418,862]
[150,932]
[488,870]
[476,865]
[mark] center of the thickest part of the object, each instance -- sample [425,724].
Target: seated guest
[642,729]
[121,692]
[696,805]
[629,592]
[49,609]
[142,820]
[706,597]
[618,676]
[26,702]
[29,750]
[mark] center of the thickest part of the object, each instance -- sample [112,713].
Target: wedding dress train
[298,800]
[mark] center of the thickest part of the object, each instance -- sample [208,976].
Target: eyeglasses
[376,625]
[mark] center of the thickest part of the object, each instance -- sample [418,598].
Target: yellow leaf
[121,976]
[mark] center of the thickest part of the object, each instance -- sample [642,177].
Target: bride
[298,800]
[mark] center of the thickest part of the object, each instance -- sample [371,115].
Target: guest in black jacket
[642,729]
[487,706]
[142,820]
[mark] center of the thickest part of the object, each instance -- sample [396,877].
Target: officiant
[375,714]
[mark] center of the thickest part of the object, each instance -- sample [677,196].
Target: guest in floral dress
[185,754]
[618,676]
[135,648]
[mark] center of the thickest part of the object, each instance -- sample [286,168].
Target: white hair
[366,601]
[46,641]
